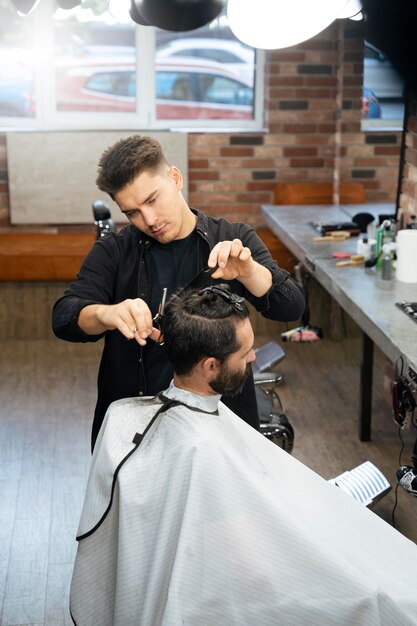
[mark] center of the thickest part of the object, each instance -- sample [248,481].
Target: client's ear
[209,367]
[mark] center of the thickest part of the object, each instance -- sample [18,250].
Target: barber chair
[102,219]
[274,424]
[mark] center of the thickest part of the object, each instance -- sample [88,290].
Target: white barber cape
[207,523]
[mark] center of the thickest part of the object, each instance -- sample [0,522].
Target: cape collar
[208,404]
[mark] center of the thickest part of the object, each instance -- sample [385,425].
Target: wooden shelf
[26,256]
[32,255]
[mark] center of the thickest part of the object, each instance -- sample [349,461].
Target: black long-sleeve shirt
[118,267]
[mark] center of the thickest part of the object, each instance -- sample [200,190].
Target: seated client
[193,517]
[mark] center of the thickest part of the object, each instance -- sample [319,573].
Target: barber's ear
[176,176]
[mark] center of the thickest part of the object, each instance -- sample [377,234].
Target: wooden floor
[47,400]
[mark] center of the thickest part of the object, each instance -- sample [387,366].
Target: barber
[120,284]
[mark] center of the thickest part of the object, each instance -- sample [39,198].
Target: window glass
[175,86]
[17,84]
[83,67]
[382,92]
[220,71]
[224,91]
[94,59]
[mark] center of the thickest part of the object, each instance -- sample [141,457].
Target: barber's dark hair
[201,323]
[121,163]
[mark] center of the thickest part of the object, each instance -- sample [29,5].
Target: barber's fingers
[230,256]
[244,254]
[155,335]
[132,318]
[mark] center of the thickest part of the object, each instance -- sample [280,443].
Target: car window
[174,86]
[221,56]
[114,83]
[222,90]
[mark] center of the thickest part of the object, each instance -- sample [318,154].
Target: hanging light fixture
[24,7]
[135,13]
[351,9]
[68,4]
[177,15]
[273,24]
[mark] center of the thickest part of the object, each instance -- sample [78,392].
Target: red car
[186,88]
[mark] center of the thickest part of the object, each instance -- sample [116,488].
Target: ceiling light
[273,24]
[68,4]
[24,7]
[135,13]
[179,15]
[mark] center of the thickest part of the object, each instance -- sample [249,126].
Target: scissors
[202,279]
[157,319]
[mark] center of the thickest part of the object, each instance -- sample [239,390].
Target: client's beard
[230,383]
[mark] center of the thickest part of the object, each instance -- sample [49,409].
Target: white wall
[52,174]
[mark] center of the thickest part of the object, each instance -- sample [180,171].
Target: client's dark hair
[121,163]
[201,323]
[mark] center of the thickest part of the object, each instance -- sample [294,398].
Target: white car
[380,75]
[233,55]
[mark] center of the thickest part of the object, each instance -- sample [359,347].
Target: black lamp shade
[180,15]
[68,4]
[24,6]
[136,13]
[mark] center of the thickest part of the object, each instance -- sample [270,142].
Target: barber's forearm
[259,281]
[90,319]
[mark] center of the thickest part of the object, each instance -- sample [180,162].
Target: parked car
[16,84]
[371,109]
[233,55]
[380,76]
[16,98]
[186,88]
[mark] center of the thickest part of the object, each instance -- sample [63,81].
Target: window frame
[49,118]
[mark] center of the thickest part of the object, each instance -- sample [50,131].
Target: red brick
[237,152]
[369,162]
[307,162]
[319,81]
[280,56]
[284,81]
[387,150]
[313,140]
[198,163]
[203,175]
[329,94]
[301,152]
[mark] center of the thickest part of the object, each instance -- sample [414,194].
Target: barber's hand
[132,318]
[233,259]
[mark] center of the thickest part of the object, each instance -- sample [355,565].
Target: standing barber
[119,286]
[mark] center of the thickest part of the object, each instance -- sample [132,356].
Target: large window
[383,91]
[92,68]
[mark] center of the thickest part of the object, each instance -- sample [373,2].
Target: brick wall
[312,117]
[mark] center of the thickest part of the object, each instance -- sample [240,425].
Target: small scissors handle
[156,319]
